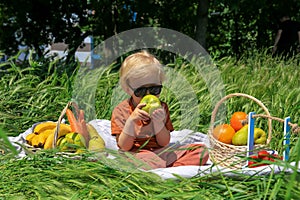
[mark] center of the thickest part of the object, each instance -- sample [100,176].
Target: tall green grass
[30,94]
[26,98]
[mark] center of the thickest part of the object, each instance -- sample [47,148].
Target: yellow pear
[241,136]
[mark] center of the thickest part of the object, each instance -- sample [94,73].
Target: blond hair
[138,65]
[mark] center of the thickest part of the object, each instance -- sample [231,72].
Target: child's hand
[158,115]
[139,114]
[158,118]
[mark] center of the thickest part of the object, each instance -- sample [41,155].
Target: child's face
[150,80]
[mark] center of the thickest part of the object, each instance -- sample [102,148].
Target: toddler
[147,137]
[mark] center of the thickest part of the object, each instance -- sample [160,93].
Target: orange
[224,133]
[236,120]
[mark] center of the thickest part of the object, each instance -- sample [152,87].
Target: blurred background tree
[37,23]
[224,28]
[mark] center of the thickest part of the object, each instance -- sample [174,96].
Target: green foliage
[39,23]
[5,145]
[238,27]
[27,98]
[29,95]
[234,27]
[48,175]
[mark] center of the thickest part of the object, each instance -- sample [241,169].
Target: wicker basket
[63,112]
[228,155]
[72,155]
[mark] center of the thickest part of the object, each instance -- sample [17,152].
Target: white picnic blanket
[180,137]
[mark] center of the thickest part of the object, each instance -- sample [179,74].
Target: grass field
[26,97]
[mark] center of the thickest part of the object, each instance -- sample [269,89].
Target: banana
[49,141]
[51,125]
[29,138]
[35,142]
[96,143]
[44,135]
[63,130]
[40,139]
[44,126]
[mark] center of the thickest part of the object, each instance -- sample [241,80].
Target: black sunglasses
[142,91]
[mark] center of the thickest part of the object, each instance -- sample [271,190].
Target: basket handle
[295,128]
[62,114]
[215,110]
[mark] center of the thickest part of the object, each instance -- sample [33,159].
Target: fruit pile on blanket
[76,137]
[236,133]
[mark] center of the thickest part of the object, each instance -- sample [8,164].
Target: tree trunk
[202,20]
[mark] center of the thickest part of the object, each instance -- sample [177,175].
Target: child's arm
[127,137]
[163,137]
[128,134]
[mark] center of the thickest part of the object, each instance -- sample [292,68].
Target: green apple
[71,142]
[241,136]
[76,139]
[260,136]
[152,103]
[79,140]
[64,144]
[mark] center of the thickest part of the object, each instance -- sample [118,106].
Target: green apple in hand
[152,103]
[241,136]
